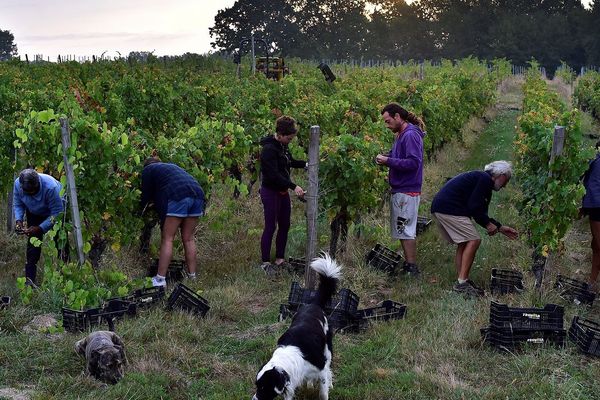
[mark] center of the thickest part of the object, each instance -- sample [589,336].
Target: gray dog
[105,355]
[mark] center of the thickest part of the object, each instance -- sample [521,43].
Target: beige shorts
[456,229]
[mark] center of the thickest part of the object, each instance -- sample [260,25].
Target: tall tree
[548,30]
[272,20]
[8,48]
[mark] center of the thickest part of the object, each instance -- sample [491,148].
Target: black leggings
[594,213]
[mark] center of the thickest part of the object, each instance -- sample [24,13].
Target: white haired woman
[462,200]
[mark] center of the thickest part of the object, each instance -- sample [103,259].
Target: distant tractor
[272,67]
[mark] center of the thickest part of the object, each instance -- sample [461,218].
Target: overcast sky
[87,27]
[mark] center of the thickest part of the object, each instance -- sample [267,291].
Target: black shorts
[594,213]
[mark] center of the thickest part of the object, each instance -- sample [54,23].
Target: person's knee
[188,241]
[167,240]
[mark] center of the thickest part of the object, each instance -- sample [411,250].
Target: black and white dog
[304,351]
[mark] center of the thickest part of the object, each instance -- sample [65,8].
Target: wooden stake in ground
[312,205]
[558,143]
[72,191]
[10,214]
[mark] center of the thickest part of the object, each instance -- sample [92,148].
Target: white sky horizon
[91,27]
[83,28]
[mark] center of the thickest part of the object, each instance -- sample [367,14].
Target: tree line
[550,31]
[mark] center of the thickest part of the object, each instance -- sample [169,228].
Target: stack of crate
[511,327]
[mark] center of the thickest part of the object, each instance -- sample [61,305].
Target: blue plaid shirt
[162,182]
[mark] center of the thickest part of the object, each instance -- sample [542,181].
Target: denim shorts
[188,207]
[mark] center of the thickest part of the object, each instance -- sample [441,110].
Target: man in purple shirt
[405,162]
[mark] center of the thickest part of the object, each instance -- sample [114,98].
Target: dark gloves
[34,231]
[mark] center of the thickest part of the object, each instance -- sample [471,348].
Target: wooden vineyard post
[253,54]
[10,215]
[312,205]
[558,143]
[72,190]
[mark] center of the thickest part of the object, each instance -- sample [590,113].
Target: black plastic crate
[506,281]
[111,310]
[384,259]
[341,321]
[574,290]
[185,299]
[345,300]
[146,297]
[176,271]
[5,301]
[297,265]
[338,320]
[513,318]
[387,310]
[423,224]
[75,321]
[506,338]
[586,335]
[79,321]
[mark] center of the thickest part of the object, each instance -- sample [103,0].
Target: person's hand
[509,232]
[299,191]
[34,231]
[491,228]
[19,227]
[381,159]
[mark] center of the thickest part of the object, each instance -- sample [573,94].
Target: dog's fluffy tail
[329,275]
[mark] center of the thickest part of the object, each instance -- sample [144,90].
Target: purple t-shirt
[406,161]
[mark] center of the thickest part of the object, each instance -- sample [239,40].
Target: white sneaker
[159,282]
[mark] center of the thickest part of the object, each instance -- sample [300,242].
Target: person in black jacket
[179,201]
[275,164]
[465,197]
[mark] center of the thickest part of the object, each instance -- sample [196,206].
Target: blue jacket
[591,181]
[467,195]
[47,202]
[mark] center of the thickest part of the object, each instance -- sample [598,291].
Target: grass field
[434,353]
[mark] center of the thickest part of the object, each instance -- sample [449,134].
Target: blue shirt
[45,203]
[591,181]
[466,195]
